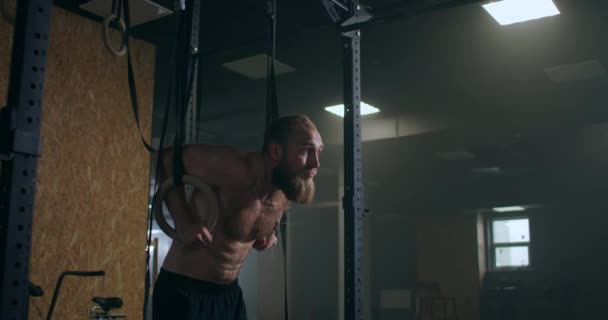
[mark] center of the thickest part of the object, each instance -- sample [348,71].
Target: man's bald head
[284,128]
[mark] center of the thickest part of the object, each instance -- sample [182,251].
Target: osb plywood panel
[91,197]
[6,43]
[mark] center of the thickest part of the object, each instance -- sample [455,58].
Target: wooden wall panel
[92,186]
[6,43]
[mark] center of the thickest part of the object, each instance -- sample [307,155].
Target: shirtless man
[198,279]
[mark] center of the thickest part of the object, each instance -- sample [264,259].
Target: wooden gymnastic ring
[122,28]
[210,200]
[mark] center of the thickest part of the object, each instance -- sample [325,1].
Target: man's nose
[313,161]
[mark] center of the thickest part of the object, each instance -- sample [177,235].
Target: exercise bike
[103,305]
[101,311]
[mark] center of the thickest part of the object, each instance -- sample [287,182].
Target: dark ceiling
[449,73]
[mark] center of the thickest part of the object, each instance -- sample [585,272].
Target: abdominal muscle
[219,262]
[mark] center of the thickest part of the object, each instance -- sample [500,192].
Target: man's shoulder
[230,162]
[204,147]
[216,151]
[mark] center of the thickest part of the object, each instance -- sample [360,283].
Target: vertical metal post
[21,146]
[191,121]
[353,177]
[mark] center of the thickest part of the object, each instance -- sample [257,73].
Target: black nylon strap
[131,76]
[284,243]
[184,79]
[134,104]
[180,100]
[116,8]
[150,212]
[157,175]
[272,104]
[272,113]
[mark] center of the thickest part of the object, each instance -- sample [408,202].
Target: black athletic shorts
[178,297]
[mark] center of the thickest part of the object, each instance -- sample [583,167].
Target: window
[509,242]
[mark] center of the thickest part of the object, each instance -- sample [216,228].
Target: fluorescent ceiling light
[514,11]
[365,109]
[509,209]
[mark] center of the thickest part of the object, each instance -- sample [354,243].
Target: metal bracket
[13,140]
[344,17]
[361,16]
[26,142]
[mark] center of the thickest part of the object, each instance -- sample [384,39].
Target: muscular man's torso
[243,218]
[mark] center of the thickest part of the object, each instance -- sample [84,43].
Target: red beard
[295,188]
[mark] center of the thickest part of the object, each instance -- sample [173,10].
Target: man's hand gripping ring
[210,213]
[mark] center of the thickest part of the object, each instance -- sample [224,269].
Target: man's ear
[275,150]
